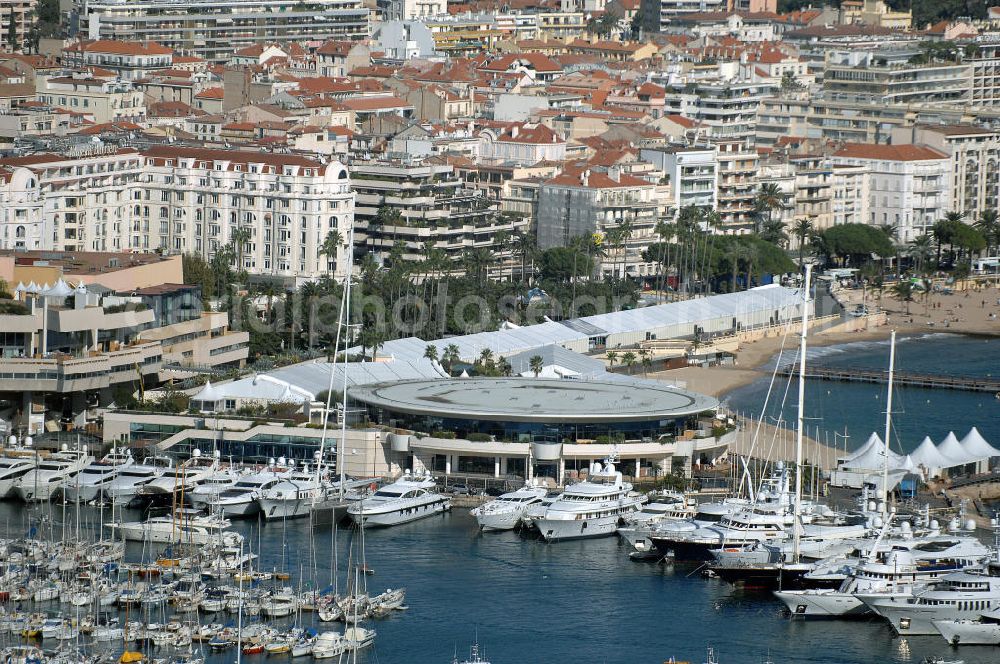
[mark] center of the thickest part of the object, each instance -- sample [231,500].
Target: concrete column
[530,470]
[562,471]
[638,467]
[447,464]
[496,467]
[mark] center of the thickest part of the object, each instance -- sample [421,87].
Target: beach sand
[974,312]
[958,313]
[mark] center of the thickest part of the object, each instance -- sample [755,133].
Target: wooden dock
[968,383]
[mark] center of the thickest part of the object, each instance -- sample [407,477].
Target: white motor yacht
[409,498]
[208,491]
[983,631]
[184,526]
[293,496]
[961,595]
[240,499]
[893,573]
[52,474]
[93,479]
[15,464]
[123,487]
[663,506]
[185,477]
[592,508]
[507,510]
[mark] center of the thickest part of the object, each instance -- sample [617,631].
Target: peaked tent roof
[929,456]
[872,456]
[976,446]
[952,449]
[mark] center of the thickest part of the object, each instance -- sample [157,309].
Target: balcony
[67,373]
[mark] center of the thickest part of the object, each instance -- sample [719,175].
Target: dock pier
[969,383]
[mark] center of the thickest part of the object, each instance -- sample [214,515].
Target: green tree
[989,225]
[855,244]
[565,264]
[536,363]
[612,358]
[450,356]
[431,352]
[768,199]
[629,359]
[903,290]
[802,231]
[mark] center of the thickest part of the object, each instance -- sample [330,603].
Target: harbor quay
[492,427]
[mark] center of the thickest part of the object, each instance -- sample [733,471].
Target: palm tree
[920,250]
[612,358]
[769,198]
[504,368]
[773,231]
[431,352]
[240,237]
[331,245]
[903,290]
[536,363]
[629,360]
[802,230]
[647,362]
[450,356]
[486,357]
[989,225]
[524,244]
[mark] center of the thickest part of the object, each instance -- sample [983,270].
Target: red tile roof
[878,151]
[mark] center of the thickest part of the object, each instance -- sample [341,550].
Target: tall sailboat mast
[801,420]
[888,424]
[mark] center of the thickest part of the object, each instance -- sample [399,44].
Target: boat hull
[560,530]
[910,619]
[281,508]
[968,632]
[399,516]
[821,603]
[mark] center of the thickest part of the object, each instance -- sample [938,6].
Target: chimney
[585,178]
[514,131]
[615,173]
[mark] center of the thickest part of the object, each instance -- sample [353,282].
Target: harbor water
[582,602]
[586,602]
[859,408]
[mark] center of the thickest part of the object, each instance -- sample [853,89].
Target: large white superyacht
[508,509]
[185,477]
[97,476]
[51,475]
[240,499]
[895,572]
[409,498]
[592,508]
[126,483]
[15,464]
[961,595]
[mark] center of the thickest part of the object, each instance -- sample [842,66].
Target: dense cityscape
[296,296]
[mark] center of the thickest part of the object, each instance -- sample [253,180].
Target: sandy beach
[971,312]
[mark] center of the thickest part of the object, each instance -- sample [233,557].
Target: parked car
[460,490]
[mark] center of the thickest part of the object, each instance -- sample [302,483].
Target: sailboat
[782,573]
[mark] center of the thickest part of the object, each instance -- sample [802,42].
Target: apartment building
[692,173]
[408,10]
[433,206]
[74,202]
[67,349]
[214,29]
[521,144]
[101,100]
[20,14]
[600,203]
[850,194]
[128,59]
[657,14]
[21,220]
[869,76]
[190,336]
[975,162]
[193,200]
[909,186]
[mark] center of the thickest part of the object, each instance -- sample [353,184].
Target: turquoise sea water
[860,408]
